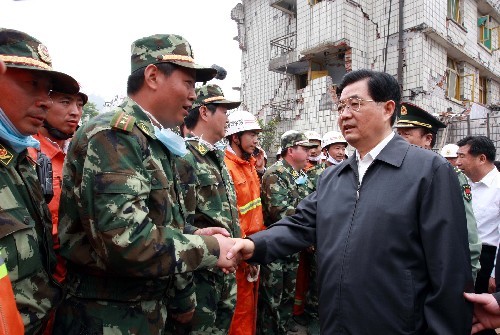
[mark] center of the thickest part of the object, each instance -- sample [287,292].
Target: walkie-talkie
[44,173]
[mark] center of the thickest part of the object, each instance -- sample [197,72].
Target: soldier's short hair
[191,120]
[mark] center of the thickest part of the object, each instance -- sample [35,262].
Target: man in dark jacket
[389,225]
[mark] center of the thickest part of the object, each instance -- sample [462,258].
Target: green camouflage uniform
[210,200]
[280,195]
[313,174]
[120,227]
[25,220]
[25,236]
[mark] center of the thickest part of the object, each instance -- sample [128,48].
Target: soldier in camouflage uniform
[122,213]
[210,201]
[284,185]
[420,128]
[25,224]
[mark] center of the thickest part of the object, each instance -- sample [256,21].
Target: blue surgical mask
[16,140]
[302,179]
[171,141]
[220,145]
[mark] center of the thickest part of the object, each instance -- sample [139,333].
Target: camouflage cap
[20,50]
[212,94]
[292,138]
[167,48]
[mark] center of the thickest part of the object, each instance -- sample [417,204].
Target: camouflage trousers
[276,295]
[86,316]
[311,304]
[216,300]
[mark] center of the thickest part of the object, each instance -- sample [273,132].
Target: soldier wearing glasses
[389,226]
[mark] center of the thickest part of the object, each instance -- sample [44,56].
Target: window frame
[453,70]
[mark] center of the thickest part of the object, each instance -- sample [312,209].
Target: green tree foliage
[268,138]
[89,111]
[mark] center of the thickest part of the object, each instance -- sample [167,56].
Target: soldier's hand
[486,311]
[183,317]
[243,248]
[228,265]
[259,161]
[212,231]
[492,285]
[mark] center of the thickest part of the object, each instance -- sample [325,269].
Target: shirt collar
[489,179]
[378,148]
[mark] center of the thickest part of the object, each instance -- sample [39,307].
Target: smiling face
[366,125]
[24,98]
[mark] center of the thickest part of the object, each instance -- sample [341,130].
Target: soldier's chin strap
[56,133]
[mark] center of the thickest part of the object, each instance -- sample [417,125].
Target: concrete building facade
[444,53]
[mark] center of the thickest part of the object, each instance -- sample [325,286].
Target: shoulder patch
[5,155]
[466,192]
[122,121]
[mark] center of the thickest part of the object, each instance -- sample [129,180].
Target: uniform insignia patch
[142,126]
[122,121]
[467,192]
[43,52]
[5,156]
[202,149]
[403,110]
[295,174]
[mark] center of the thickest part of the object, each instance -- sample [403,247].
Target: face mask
[220,145]
[16,140]
[314,159]
[171,141]
[333,161]
[302,179]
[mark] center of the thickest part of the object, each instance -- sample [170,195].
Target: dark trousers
[487,258]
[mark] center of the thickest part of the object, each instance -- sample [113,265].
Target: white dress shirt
[364,163]
[486,206]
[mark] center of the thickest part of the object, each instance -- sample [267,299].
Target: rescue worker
[420,128]
[54,136]
[122,213]
[242,134]
[26,225]
[334,146]
[210,201]
[450,152]
[12,324]
[284,185]
[305,309]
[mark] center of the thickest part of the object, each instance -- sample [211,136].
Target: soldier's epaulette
[280,169]
[122,121]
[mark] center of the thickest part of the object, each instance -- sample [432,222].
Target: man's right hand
[243,248]
[228,265]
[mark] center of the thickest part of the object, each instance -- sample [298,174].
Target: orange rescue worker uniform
[247,185]
[10,319]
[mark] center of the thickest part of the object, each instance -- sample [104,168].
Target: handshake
[232,250]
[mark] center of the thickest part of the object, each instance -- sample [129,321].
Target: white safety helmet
[239,121]
[449,151]
[312,135]
[332,137]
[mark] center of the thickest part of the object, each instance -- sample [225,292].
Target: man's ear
[151,73]
[389,108]
[203,111]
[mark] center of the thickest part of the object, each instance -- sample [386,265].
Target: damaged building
[444,53]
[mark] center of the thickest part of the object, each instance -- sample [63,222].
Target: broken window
[482,90]
[453,80]
[484,31]
[301,80]
[454,10]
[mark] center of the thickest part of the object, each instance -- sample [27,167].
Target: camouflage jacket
[279,192]
[208,189]
[313,172]
[474,242]
[25,239]
[121,212]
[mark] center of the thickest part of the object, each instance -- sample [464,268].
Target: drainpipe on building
[401,52]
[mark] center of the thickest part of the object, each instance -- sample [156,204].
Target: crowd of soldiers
[123,226]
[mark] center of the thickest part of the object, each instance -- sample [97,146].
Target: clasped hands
[232,250]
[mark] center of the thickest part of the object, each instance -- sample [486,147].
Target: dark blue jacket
[393,256]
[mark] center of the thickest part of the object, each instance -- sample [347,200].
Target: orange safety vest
[10,319]
[247,185]
[57,159]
